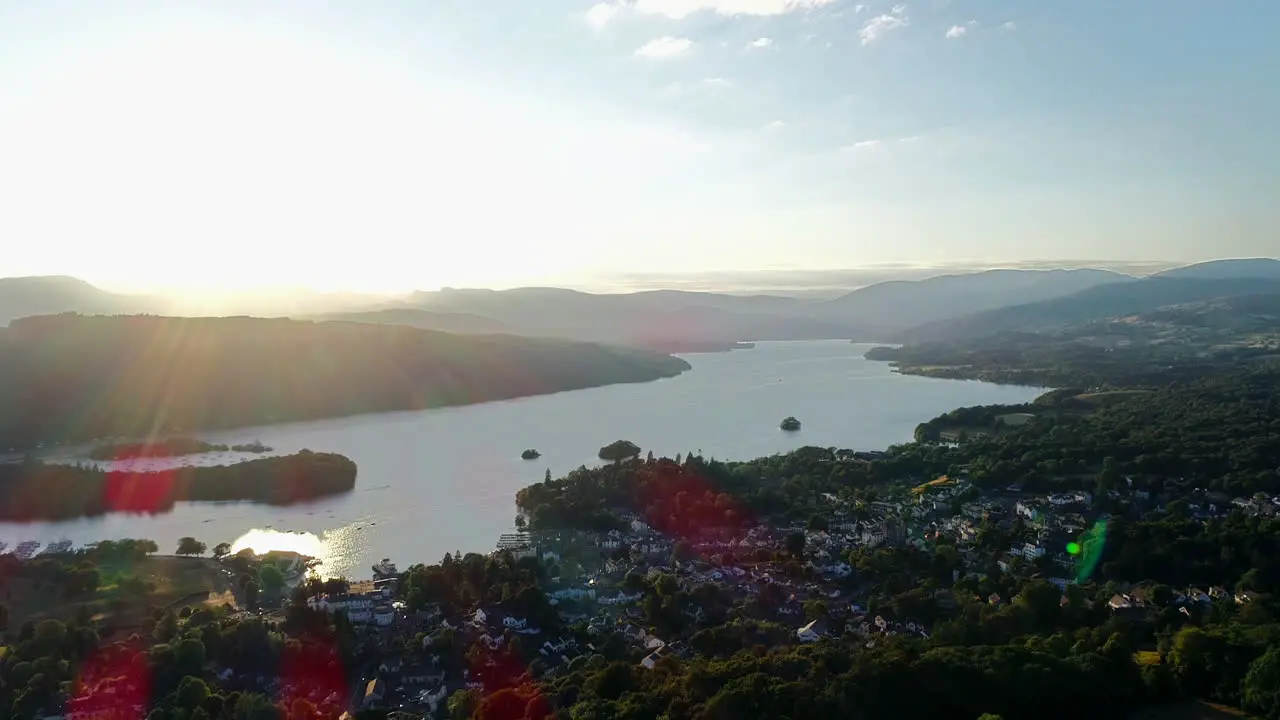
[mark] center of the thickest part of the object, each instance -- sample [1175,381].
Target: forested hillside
[69,377]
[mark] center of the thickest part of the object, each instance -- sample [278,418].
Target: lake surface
[444,480]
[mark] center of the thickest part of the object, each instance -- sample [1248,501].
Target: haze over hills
[896,305]
[1090,305]
[945,306]
[1227,269]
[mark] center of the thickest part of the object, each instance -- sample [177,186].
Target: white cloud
[909,139]
[677,9]
[861,146]
[859,8]
[717,82]
[1011,25]
[881,24]
[775,125]
[763,42]
[664,47]
[957,31]
[601,13]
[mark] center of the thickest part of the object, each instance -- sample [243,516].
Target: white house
[812,632]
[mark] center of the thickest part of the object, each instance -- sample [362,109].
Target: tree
[190,546]
[251,593]
[462,704]
[619,450]
[271,580]
[4,617]
[795,544]
[192,692]
[221,550]
[1260,690]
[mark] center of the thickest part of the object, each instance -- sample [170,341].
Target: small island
[169,447]
[253,447]
[790,424]
[619,450]
[530,454]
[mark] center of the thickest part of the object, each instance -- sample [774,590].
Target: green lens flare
[1073,548]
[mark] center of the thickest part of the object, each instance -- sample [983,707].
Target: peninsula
[238,371]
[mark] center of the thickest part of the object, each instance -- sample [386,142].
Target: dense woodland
[35,490]
[74,378]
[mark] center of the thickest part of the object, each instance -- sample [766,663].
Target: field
[944,480]
[1099,399]
[1196,710]
[178,581]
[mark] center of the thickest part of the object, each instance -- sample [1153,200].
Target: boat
[26,549]
[385,569]
[57,548]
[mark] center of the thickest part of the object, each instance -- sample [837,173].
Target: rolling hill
[71,377]
[1266,268]
[43,295]
[1091,305]
[891,307]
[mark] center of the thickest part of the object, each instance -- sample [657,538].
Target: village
[806,583]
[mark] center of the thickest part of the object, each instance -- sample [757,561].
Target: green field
[177,581]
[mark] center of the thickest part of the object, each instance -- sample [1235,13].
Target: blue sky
[390,145]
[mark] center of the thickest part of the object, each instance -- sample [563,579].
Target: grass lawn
[1110,396]
[178,581]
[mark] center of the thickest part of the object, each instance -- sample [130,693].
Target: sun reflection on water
[335,551]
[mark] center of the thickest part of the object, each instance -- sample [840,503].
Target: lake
[444,480]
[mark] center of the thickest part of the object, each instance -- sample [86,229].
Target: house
[375,691]
[812,632]
[1246,596]
[652,658]
[383,616]
[433,699]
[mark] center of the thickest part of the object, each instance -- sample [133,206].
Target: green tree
[221,550]
[192,692]
[271,580]
[1260,690]
[190,546]
[462,704]
[794,544]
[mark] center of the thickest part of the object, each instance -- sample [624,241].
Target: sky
[380,145]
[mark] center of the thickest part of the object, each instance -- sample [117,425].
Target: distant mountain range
[937,308]
[1195,283]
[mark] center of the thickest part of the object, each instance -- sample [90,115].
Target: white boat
[26,549]
[57,548]
[385,569]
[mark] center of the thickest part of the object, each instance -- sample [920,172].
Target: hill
[450,322]
[664,319]
[891,307]
[1268,268]
[70,377]
[1091,305]
[43,295]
